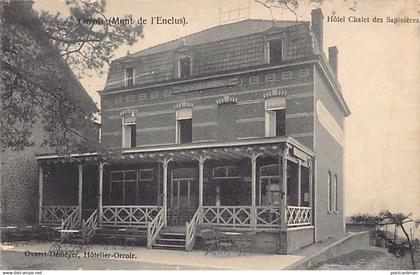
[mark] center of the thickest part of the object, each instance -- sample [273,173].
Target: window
[123,187]
[129,77]
[183,125]
[275,116]
[336,193]
[129,131]
[185,130]
[146,174]
[225,172]
[275,48]
[184,67]
[330,192]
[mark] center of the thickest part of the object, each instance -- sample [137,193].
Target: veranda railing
[55,215]
[298,216]
[128,215]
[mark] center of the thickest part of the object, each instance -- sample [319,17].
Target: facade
[240,126]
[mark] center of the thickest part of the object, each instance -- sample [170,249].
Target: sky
[379,73]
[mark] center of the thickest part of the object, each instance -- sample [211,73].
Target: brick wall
[156,114]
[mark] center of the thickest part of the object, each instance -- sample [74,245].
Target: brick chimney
[333,58]
[318,26]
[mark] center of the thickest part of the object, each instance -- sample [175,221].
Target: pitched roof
[217,33]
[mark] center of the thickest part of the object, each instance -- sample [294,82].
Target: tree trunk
[410,247]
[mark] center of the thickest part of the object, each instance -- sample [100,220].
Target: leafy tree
[38,89]
[397,219]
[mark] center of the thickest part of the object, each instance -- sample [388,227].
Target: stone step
[169,246]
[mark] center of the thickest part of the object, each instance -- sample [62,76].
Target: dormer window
[275,51]
[184,67]
[129,131]
[129,77]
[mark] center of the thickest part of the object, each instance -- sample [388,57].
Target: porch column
[80,190]
[310,162]
[165,163]
[299,182]
[101,178]
[201,161]
[283,204]
[40,190]
[254,157]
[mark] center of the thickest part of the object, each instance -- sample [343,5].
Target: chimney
[317,26]
[333,58]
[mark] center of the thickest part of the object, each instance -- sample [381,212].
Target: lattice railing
[298,216]
[90,225]
[191,228]
[267,217]
[128,215]
[72,221]
[232,216]
[54,215]
[154,227]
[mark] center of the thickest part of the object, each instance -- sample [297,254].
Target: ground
[13,257]
[370,259]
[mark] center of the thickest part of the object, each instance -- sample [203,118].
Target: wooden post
[159,176]
[201,161]
[80,190]
[254,157]
[101,178]
[165,163]
[283,204]
[40,190]
[299,182]
[311,164]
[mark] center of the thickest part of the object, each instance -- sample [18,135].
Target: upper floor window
[129,131]
[275,51]
[184,67]
[275,116]
[183,125]
[129,77]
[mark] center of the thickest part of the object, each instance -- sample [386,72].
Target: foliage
[399,220]
[39,91]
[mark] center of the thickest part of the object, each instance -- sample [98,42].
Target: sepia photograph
[278,135]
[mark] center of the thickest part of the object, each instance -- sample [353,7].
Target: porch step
[169,246]
[170,240]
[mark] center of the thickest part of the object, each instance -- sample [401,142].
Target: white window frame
[126,130]
[179,65]
[270,115]
[126,78]
[181,114]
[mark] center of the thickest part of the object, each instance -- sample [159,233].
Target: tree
[397,219]
[36,88]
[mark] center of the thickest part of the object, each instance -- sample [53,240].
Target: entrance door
[183,200]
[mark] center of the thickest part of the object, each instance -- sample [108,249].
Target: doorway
[183,197]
